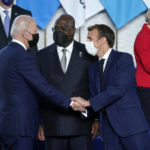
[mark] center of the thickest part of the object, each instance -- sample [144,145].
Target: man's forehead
[64,21]
[93,32]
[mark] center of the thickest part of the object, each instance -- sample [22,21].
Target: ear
[27,35]
[103,39]
[73,31]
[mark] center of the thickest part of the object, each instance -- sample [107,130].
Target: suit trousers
[16,143]
[112,141]
[144,95]
[69,143]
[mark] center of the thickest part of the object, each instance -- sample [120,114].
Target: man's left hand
[95,129]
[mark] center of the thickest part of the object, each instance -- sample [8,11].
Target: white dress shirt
[20,43]
[106,56]
[3,14]
[68,53]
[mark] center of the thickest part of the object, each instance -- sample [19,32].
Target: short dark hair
[104,31]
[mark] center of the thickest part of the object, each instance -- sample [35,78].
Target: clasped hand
[79,104]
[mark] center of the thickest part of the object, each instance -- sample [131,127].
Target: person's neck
[67,44]
[102,51]
[22,41]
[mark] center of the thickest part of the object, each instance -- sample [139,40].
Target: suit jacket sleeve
[122,78]
[29,71]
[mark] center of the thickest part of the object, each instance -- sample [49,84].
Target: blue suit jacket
[119,98]
[20,85]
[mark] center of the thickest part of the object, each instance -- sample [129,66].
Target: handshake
[79,104]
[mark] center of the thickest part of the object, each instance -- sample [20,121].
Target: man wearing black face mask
[9,12]
[21,85]
[65,65]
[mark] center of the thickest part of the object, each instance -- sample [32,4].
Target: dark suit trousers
[16,143]
[69,143]
[144,95]
[112,141]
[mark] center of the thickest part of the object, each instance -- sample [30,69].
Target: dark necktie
[64,60]
[6,22]
[101,63]
[101,74]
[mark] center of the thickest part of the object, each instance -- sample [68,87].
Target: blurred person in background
[8,12]
[142,56]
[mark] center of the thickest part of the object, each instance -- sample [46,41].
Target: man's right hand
[77,106]
[81,101]
[41,135]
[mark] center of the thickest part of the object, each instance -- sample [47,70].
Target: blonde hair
[21,23]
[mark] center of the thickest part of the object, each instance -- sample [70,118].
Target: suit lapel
[56,60]
[74,60]
[110,61]
[14,14]
[2,29]
[96,76]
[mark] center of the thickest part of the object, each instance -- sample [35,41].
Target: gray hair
[147,16]
[21,23]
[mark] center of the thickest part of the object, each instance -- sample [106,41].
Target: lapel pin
[80,54]
[16,14]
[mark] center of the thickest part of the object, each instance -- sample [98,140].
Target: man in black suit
[13,11]
[65,65]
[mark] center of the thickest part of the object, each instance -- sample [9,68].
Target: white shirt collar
[2,11]
[68,48]
[20,43]
[106,54]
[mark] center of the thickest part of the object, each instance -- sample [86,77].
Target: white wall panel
[127,34]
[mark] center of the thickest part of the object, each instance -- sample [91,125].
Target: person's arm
[122,80]
[142,51]
[30,73]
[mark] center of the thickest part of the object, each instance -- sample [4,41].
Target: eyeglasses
[62,28]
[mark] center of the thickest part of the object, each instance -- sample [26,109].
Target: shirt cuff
[85,114]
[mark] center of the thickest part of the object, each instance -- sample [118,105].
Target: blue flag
[42,10]
[123,11]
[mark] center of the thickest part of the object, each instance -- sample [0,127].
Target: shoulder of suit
[49,49]
[79,45]
[21,10]
[123,55]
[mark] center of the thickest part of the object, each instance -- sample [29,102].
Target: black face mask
[34,41]
[7,2]
[60,38]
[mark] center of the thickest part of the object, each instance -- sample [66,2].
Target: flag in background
[123,11]
[147,3]
[81,9]
[42,10]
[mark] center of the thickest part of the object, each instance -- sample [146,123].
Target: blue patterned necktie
[6,22]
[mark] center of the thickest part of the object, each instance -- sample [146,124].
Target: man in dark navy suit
[8,7]
[113,94]
[66,130]
[21,84]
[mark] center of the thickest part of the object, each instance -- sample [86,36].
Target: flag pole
[116,39]
[79,35]
[45,40]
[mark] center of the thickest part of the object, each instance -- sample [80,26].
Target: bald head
[66,20]
[20,24]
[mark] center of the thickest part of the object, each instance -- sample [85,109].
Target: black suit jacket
[4,40]
[58,122]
